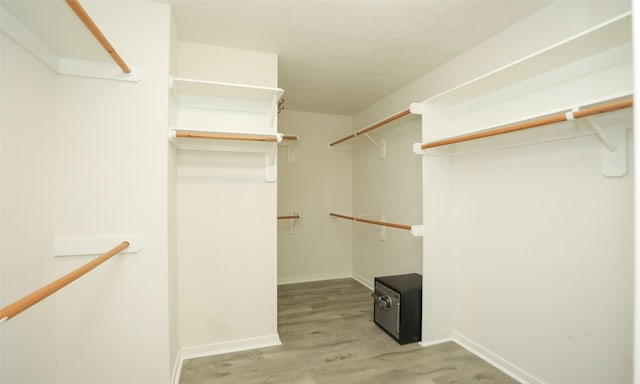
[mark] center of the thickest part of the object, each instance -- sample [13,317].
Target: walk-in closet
[233,192]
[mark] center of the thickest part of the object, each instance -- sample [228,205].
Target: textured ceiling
[341,56]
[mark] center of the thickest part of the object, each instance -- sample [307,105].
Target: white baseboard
[428,343]
[500,363]
[310,278]
[219,349]
[362,280]
[177,369]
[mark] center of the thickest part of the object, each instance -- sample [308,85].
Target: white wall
[111,178]
[316,182]
[543,252]
[172,203]
[227,266]
[27,132]
[88,158]
[391,187]
[552,300]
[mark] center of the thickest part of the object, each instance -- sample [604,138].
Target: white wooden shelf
[227,117]
[199,93]
[591,68]
[54,34]
[614,32]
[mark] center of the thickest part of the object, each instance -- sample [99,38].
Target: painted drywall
[636,216]
[477,291]
[314,180]
[27,131]
[111,178]
[387,189]
[172,204]
[543,252]
[226,212]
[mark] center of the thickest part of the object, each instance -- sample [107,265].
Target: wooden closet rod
[225,136]
[35,297]
[288,217]
[290,137]
[609,107]
[93,28]
[383,223]
[372,127]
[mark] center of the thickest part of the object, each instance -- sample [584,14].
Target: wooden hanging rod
[393,225]
[226,136]
[372,127]
[93,28]
[609,107]
[288,217]
[35,297]
[290,137]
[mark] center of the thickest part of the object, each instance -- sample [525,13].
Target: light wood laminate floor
[328,336]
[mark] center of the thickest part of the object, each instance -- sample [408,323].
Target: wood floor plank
[328,336]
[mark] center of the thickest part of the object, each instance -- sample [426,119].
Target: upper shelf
[53,33]
[612,33]
[191,92]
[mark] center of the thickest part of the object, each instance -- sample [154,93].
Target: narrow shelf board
[609,34]
[220,90]
[55,24]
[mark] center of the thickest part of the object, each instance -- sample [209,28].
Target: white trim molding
[204,350]
[500,363]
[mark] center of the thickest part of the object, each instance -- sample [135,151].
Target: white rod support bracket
[382,231]
[417,108]
[417,230]
[94,245]
[417,149]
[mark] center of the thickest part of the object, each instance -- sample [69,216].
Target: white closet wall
[313,180]
[528,246]
[92,156]
[27,224]
[226,218]
[387,189]
[111,159]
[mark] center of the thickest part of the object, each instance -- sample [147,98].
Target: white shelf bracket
[382,231]
[614,148]
[382,146]
[271,163]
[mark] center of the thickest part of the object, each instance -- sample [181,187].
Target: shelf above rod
[372,127]
[571,115]
[95,31]
[288,217]
[228,136]
[375,222]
